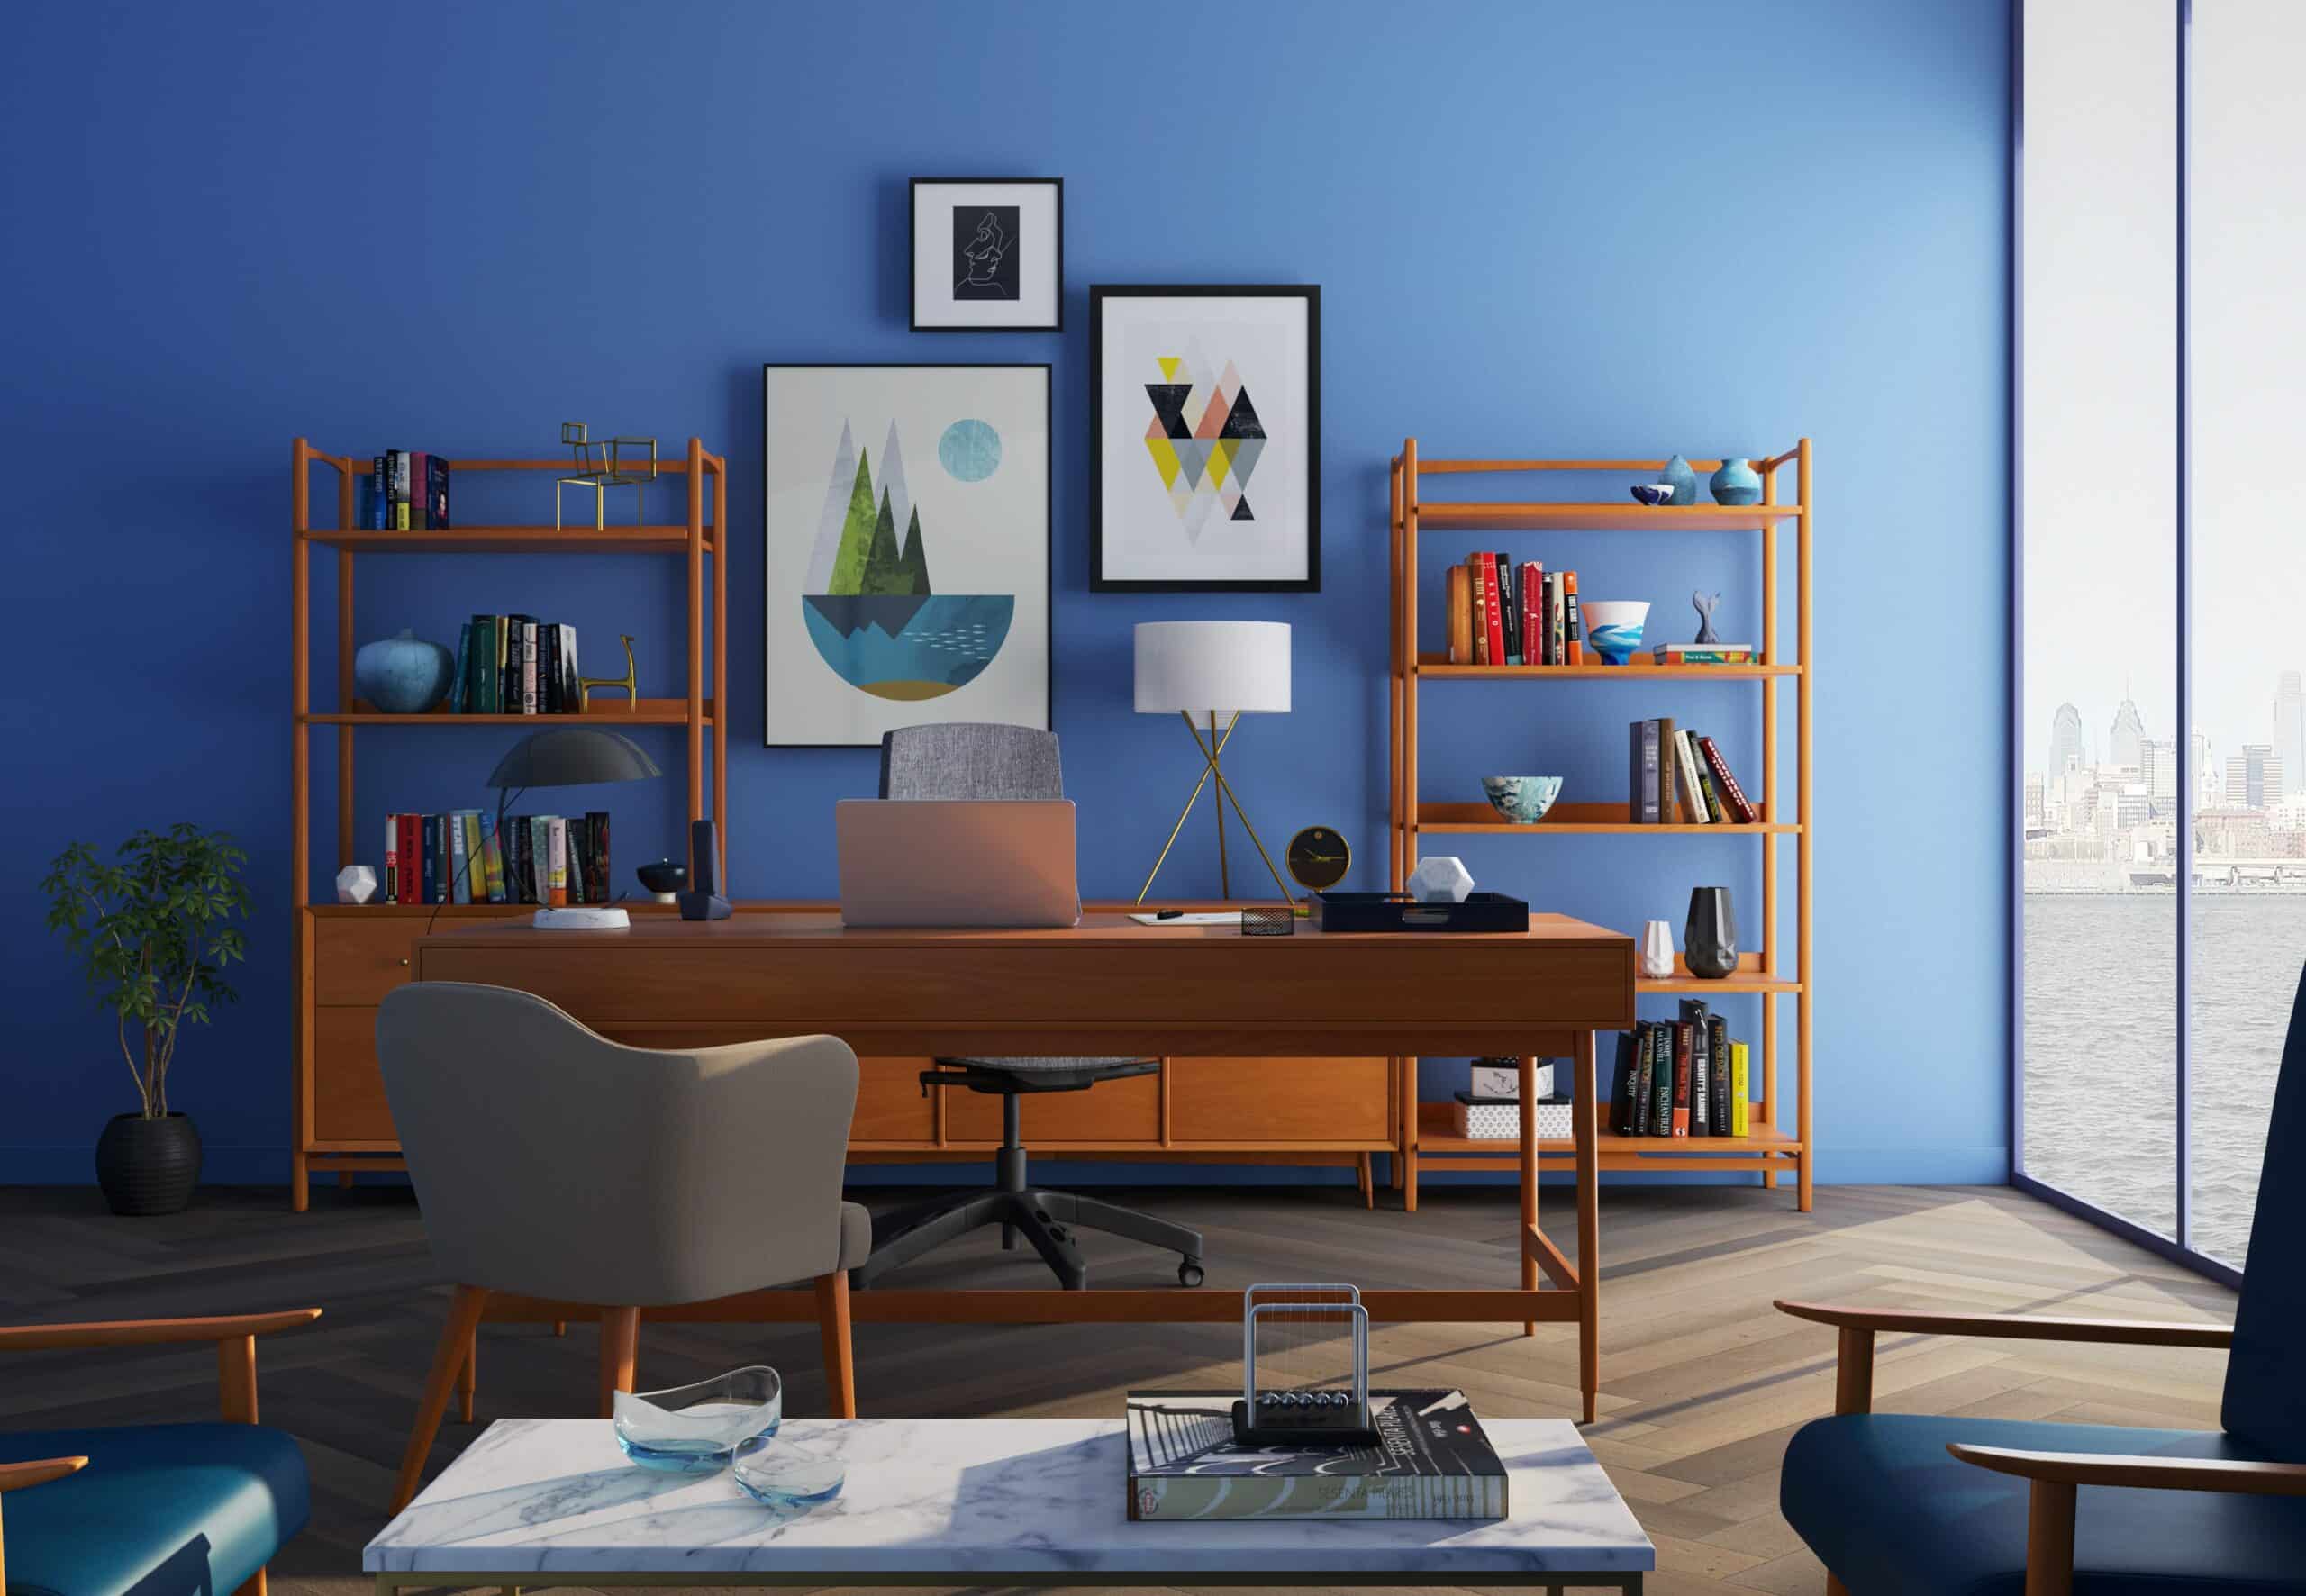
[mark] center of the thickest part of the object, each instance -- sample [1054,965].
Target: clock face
[1319,859]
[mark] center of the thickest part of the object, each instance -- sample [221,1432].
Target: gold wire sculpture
[599,465]
[629,682]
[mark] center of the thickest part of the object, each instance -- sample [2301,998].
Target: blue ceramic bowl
[1522,800]
[1653,493]
[404,674]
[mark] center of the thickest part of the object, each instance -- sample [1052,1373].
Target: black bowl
[663,875]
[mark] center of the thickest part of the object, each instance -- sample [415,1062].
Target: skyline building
[2065,740]
[2123,742]
[2290,730]
[2253,777]
[2159,767]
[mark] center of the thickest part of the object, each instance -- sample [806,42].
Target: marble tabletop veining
[941,1497]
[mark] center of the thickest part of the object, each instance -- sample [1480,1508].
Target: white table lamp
[1214,669]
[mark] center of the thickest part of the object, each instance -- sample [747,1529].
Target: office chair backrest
[970,760]
[2265,1375]
[552,1162]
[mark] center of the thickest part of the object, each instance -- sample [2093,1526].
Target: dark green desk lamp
[569,757]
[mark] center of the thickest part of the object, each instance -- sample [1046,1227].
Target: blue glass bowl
[701,1429]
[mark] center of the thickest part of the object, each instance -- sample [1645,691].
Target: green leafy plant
[155,930]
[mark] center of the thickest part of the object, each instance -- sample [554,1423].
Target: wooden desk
[1106,986]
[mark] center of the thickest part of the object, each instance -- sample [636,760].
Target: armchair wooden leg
[254,1585]
[619,1351]
[1366,1178]
[832,1331]
[448,1358]
[2050,1539]
[1834,1587]
[468,1375]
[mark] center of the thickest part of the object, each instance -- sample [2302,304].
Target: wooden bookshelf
[1767,975]
[347,956]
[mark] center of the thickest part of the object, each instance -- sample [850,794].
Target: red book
[1573,634]
[1496,616]
[412,861]
[1481,608]
[1740,809]
[1532,579]
[1681,1077]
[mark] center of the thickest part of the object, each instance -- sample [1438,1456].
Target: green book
[485,698]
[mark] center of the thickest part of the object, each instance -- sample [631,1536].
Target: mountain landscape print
[868,600]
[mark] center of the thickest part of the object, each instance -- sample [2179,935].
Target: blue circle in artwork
[970,449]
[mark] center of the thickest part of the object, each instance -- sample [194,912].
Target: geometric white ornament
[1442,879]
[355,883]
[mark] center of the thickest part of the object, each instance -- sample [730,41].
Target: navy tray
[1398,911]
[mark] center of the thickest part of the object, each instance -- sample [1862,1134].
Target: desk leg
[1585,1112]
[1528,1087]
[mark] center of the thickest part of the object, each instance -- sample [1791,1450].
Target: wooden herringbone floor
[1701,1382]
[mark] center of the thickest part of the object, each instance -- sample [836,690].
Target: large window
[2162,736]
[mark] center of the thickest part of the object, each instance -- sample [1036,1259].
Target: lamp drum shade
[1227,666]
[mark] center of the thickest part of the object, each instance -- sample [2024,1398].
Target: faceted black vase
[1709,940]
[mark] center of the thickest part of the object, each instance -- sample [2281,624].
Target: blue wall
[1538,229]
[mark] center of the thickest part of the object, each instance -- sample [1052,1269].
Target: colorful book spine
[380,496]
[1685,766]
[1681,1080]
[459,860]
[460,685]
[571,694]
[390,885]
[397,463]
[436,493]
[528,668]
[1558,618]
[411,860]
[1496,612]
[492,859]
[1741,809]
[1509,607]
[1641,773]
[419,509]
[1693,1015]
[1661,1080]
[1669,750]
[1479,620]
[1531,578]
[1621,1084]
[1458,588]
[1574,629]
[556,861]
[1741,1087]
[596,844]
[1716,1064]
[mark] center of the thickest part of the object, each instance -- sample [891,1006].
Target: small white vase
[355,883]
[1657,949]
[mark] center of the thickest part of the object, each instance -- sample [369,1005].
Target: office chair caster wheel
[1189,1272]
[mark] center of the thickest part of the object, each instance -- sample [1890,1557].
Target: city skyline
[2118,735]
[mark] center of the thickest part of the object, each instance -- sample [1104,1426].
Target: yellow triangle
[1169,364]
[1220,456]
[1164,457]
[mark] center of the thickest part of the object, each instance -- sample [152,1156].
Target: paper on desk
[1197,917]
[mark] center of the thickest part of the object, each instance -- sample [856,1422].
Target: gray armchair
[553,1163]
[978,761]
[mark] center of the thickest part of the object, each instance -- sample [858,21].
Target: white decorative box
[1504,1080]
[1501,1121]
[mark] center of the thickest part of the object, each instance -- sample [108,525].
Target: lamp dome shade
[1225,667]
[572,757]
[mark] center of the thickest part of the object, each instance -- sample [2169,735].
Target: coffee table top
[939,1498]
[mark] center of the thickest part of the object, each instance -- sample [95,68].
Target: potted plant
[155,931]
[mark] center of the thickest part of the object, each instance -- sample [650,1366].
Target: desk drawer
[892,1105]
[1126,1111]
[358,961]
[348,1089]
[1278,1099]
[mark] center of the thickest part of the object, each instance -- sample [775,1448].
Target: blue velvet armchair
[1906,1505]
[156,1510]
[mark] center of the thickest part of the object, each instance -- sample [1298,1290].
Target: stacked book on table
[1433,1462]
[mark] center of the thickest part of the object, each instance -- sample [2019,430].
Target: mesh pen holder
[1268,922]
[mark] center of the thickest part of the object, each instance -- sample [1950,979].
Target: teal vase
[1736,482]
[1682,480]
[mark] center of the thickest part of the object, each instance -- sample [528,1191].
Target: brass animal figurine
[629,682]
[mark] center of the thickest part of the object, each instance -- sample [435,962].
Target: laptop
[961,864]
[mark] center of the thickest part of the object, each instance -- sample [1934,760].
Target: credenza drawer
[358,961]
[347,1090]
[892,1105]
[1278,1099]
[1125,1110]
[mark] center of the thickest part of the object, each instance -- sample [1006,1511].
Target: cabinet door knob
[403,964]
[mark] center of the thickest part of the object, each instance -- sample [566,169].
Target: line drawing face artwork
[984,252]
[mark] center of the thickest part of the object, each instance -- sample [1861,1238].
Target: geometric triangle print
[1244,457]
[1168,407]
[1164,458]
[1192,455]
[1242,422]
[1212,419]
[1220,453]
[1169,364]
[1241,512]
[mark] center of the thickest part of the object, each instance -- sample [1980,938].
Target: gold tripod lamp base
[1212,747]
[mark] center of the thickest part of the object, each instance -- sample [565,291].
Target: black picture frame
[912,255]
[1311,293]
[1048,507]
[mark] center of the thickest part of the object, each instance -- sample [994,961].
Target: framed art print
[988,254]
[1205,439]
[906,567]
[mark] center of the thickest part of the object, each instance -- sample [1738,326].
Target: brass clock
[1319,859]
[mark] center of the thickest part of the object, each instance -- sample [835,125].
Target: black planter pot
[148,1167]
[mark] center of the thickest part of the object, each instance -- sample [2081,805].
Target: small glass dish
[790,1478]
[701,1429]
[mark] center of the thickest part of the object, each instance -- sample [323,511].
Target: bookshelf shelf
[348,956]
[1628,517]
[1582,820]
[1436,668]
[648,712]
[614,540]
[1770,1150]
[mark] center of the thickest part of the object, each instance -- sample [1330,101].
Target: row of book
[405,492]
[1500,614]
[515,665]
[1676,775]
[1682,1078]
[459,857]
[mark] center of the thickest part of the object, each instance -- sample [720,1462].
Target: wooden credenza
[1320,1111]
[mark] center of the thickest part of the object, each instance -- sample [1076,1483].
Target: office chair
[966,761]
[551,1162]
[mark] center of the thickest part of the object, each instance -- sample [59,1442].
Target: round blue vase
[1682,480]
[1737,482]
[403,675]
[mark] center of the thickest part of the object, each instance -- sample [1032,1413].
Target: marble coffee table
[1013,1502]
